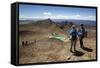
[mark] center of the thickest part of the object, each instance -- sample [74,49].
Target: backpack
[73,34]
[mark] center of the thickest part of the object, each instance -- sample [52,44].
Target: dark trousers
[81,43]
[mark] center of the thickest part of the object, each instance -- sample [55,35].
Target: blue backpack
[73,32]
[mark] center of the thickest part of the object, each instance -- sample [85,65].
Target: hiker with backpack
[73,38]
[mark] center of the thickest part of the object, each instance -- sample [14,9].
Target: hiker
[82,35]
[26,43]
[73,34]
[23,43]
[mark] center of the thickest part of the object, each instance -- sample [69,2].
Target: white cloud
[74,17]
[92,17]
[61,17]
[47,13]
[56,17]
[77,16]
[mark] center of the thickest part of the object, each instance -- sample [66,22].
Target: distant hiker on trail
[81,34]
[73,34]
[23,43]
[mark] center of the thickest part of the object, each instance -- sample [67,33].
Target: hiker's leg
[75,45]
[71,45]
[81,42]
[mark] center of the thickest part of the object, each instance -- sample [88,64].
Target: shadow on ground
[78,53]
[87,49]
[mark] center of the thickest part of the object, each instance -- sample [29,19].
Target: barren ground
[53,50]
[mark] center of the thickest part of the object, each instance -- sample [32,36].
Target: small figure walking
[23,43]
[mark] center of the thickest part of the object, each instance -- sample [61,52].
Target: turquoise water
[57,36]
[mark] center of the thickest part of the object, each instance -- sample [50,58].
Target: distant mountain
[77,22]
[85,22]
[59,22]
[26,21]
[44,23]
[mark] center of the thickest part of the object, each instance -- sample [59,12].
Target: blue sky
[55,12]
